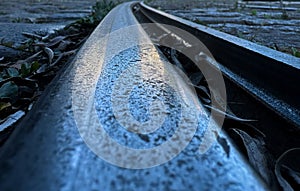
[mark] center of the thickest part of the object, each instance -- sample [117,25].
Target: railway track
[267,78]
[100,125]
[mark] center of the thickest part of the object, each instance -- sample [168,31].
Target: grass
[266,16]
[295,52]
[241,35]
[253,12]
[99,11]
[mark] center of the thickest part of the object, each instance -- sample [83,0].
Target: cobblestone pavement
[265,23]
[34,11]
[17,16]
[260,22]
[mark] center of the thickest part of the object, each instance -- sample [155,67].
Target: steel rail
[272,72]
[46,151]
[263,80]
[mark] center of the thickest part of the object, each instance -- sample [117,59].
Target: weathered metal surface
[245,66]
[271,72]
[46,151]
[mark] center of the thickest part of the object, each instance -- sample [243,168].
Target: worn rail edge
[274,75]
[46,152]
[251,73]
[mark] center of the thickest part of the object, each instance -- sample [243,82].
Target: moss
[253,12]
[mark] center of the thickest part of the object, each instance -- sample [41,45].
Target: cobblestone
[264,23]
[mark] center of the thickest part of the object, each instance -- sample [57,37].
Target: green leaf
[295,52]
[4,105]
[12,72]
[253,12]
[25,69]
[34,66]
[9,90]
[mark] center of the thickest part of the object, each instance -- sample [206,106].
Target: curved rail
[262,81]
[274,75]
[46,151]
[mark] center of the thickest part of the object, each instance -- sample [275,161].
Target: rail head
[48,149]
[274,75]
[244,44]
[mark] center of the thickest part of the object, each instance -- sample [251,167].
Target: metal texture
[46,152]
[273,75]
[261,83]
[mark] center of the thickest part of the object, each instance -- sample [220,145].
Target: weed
[295,52]
[240,35]
[253,12]
[99,11]
[267,16]
[198,21]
